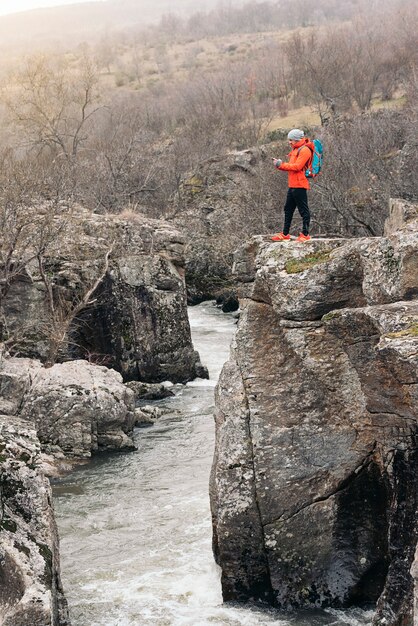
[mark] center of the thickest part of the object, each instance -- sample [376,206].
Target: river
[135,528]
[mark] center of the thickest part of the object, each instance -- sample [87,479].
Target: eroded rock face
[138,321]
[30,586]
[313,485]
[77,408]
[414,574]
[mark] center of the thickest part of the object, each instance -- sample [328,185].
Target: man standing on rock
[299,157]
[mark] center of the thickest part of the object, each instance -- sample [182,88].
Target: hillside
[71,24]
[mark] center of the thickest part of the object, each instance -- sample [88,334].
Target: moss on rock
[294,266]
[410,331]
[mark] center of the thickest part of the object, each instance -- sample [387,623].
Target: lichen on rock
[30,584]
[77,408]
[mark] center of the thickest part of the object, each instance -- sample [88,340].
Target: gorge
[313,487]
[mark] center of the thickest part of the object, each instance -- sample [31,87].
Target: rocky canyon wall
[136,321]
[30,584]
[313,486]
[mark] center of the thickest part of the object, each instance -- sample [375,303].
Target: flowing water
[135,528]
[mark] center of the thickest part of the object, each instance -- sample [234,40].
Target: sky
[15,6]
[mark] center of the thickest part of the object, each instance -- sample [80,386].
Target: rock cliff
[313,486]
[137,322]
[30,585]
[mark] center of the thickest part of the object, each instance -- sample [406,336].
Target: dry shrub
[361,172]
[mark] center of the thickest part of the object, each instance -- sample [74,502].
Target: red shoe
[303,237]
[280,237]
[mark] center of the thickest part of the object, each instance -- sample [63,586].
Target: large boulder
[313,486]
[136,319]
[77,408]
[30,587]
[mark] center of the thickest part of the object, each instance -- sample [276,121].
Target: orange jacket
[298,161]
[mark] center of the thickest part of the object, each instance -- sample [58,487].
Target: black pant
[296,197]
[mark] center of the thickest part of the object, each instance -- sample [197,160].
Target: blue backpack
[315,162]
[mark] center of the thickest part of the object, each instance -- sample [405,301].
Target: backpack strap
[309,162]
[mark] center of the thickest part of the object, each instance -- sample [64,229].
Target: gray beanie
[296,134]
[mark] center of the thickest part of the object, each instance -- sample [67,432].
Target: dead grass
[395,103]
[131,214]
[180,58]
[304,116]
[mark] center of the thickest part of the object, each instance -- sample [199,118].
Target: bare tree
[28,225]
[347,64]
[36,300]
[105,53]
[363,46]
[62,310]
[318,65]
[127,168]
[51,103]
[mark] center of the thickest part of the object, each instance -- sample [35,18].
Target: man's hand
[277,162]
